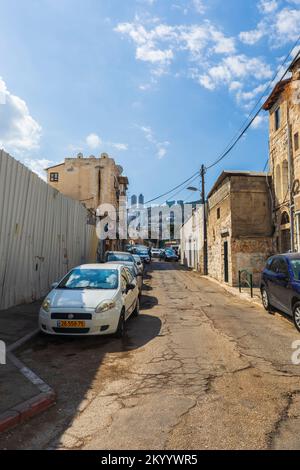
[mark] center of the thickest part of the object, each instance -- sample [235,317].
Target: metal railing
[246,280]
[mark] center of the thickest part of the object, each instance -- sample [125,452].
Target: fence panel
[43,234]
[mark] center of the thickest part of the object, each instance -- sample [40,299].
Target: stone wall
[219,230]
[249,254]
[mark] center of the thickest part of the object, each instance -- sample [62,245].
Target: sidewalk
[244,295]
[22,393]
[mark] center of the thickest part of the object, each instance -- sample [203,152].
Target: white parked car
[139,263]
[92,299]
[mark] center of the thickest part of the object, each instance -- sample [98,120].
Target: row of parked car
[96,299]
[166,254]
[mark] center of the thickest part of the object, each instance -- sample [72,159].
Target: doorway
[226,264]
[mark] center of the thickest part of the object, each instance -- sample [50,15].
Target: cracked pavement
[199,369]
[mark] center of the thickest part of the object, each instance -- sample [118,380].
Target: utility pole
[205,251]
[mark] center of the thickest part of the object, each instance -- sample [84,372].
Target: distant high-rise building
[141,200]
[133,200]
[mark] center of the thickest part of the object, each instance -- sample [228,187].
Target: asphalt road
[199,369]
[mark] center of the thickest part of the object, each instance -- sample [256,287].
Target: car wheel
[296,315]
[265,299]
[136,311]
[120,333]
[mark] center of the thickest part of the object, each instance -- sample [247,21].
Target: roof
[297,59]
[226,174]
[288,255]
[276,92]
[99,266]
[54,166]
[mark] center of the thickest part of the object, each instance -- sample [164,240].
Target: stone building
[239,225]
[283,106]
[92,181]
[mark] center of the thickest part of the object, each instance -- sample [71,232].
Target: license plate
[70,324]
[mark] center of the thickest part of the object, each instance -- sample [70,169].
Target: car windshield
[142,252]
[120,257]
[90,279]
[295,263]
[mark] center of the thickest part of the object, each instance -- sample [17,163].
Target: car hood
[83,298]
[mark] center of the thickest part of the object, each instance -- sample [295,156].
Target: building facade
[239,225]
[283,106]
[92,181]
[191,241]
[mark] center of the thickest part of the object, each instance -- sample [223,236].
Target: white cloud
[199,6]
[259,122]
[93,141]
[232,70]
[159,44]
[19,132]
[287,24]
[161,147]
[279,25]
[252,37]
[268,6]
[120,147]
[38,166]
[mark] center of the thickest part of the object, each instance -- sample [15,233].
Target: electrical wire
[243,129]
[173,189]
[241,134]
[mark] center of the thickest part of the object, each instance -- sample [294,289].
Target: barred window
[54,177]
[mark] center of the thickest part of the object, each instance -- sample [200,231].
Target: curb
[26,410]
[23,340]
[236,293]
[35,405]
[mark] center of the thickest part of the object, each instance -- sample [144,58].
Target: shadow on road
[77,368]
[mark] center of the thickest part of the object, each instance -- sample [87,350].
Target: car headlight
[46,305]
[105,305]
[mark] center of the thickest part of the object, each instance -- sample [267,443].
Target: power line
[257,113]
[173,189]
[243,129]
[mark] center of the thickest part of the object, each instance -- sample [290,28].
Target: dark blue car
[280,285]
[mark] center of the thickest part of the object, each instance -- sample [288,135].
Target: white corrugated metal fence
[43,234]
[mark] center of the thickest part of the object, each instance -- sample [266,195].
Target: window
[277,119]
[218,213]
[296,141]
[279,265]
[285,179]
[54,177]
[278,183]
[90,279]
[285,219]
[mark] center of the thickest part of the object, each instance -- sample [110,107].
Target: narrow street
[199,369]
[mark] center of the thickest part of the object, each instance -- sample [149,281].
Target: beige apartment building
[92,181]
[283,106]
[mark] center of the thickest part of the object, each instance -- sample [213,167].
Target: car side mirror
[130,287]
[54,285]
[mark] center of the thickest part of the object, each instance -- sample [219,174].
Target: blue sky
[161,85]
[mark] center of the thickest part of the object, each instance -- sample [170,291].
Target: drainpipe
[290,174]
